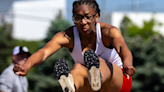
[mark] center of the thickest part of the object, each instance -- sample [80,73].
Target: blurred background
[33,23]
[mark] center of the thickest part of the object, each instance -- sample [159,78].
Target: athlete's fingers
[20,73]
[127,75]
[133,71]
[130,70]
[18,69]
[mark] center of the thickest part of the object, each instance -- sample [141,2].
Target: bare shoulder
[68,33]
[109,30]
[64,38]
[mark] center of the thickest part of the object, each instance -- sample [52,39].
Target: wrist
[127,64]
[26,68]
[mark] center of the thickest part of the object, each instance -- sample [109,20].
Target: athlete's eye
[88,17]
[77,18]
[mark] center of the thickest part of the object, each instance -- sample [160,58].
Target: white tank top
[107,54]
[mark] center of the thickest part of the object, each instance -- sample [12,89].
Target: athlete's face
[85,18]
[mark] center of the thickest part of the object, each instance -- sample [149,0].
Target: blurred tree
[147,55]
[43,79]
[149,63]
[128,28]
[7,43]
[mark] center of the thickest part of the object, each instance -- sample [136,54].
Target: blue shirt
[10,82]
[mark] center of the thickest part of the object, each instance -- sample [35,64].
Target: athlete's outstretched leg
[64,76]
[112,75]
[92,64]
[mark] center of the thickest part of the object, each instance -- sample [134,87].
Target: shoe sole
[92,64]
[63,75]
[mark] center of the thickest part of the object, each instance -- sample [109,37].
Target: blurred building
[30,18]
[138,18]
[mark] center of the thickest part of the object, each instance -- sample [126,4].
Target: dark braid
[87,2]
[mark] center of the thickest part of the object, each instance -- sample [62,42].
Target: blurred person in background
[11,82]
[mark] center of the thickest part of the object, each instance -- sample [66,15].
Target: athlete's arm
[122,49]
[59,40]
[113,35]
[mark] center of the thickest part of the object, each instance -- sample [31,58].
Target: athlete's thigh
[86,87]
[112,77]
[79,69]
[105,71]
[80,77]
[116,80]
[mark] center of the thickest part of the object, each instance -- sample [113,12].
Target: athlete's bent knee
[78,66]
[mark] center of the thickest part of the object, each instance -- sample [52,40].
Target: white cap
[20,49]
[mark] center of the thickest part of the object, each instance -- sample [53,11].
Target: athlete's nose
[83,21]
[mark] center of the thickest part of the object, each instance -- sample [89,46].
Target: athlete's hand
[20,70]
[129,69]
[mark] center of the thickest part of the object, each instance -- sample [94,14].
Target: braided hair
[87,2]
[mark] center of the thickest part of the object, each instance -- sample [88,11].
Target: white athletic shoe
[92,64]
[64,76]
